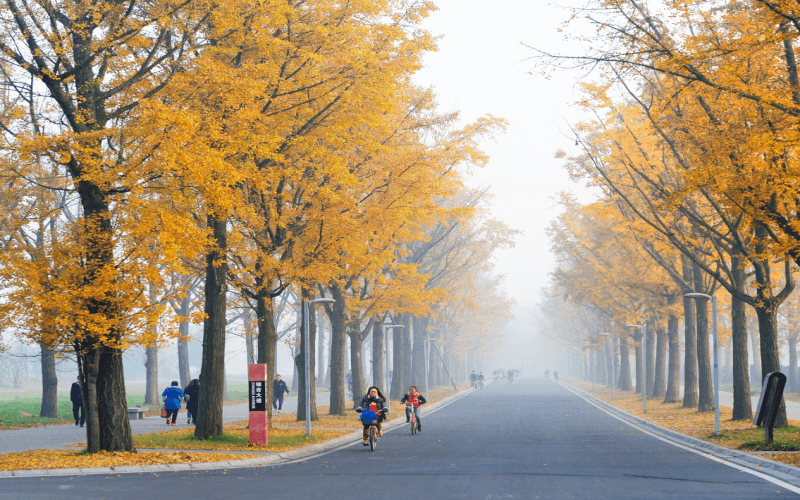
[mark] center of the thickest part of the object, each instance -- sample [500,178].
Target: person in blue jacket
[172,401]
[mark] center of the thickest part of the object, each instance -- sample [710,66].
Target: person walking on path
[192,390]
[473,378]
[547,373]
[77,403]
[555,375]
[413,399]
[172,401]
[278,390]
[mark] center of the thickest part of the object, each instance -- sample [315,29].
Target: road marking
[766,477]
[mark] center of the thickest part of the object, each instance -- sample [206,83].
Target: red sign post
[257,389]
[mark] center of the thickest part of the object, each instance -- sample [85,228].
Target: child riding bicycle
[375,402]
[413,399]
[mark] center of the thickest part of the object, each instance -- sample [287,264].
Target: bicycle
[371,417]
[413,421]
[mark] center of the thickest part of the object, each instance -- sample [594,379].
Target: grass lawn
[235,437]
[10,412]
[61,459]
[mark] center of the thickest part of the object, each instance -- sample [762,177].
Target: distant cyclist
[413,399]
[473,378]
[374,401]
[510,376]
[481,378]
[547,373]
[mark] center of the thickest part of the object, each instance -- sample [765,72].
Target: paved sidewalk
[792,407]
[57,437]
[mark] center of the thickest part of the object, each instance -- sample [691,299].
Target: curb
[784,472]
[274,459]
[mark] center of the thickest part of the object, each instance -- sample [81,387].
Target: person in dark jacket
[413,399]
[374,401]
[172,401]
[77,403]
[192,390]
[278,390]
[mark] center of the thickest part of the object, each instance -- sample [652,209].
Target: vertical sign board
[257,390]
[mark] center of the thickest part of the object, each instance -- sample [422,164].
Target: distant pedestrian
[278,390]
[510,376]
[473,378]
[555,375]
[77,403]
[547,373]
[172,396]
[192,391]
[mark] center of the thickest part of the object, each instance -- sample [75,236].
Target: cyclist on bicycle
[473,377]
[481,378]
[374,401]
[413,399]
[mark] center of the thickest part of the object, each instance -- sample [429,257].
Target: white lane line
[766,477]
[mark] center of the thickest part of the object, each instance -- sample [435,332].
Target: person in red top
[374,401]
[413,399]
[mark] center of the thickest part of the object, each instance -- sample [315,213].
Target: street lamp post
[307,349]
[427,351]
[643,328]
[613,366]
[716,359]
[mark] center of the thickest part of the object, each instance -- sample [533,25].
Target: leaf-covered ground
[61,459]
[235,437]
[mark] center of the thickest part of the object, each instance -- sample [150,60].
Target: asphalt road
[527,440]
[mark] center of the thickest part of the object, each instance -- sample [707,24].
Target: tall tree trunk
[420,334]
[690,399]
[115,427]
[624,381]
[267,338]
[88,366]
[673,394]
[356,364]
[755,346]
[249,336]
[793,382]
[659,388]
[742,405]
[299,362]
[398,360]
[650,358]
[377,356]
[183,342]
[49,383]
[321,364]
[408,357]
[600,363]
[770,355]
[151,392]
[638,353]
[705,400]
[212,371]
[611,360]
[338,334]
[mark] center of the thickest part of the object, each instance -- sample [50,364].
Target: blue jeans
[416,414]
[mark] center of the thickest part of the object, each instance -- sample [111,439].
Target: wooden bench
[136,413]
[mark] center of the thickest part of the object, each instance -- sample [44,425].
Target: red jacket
[413,399]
